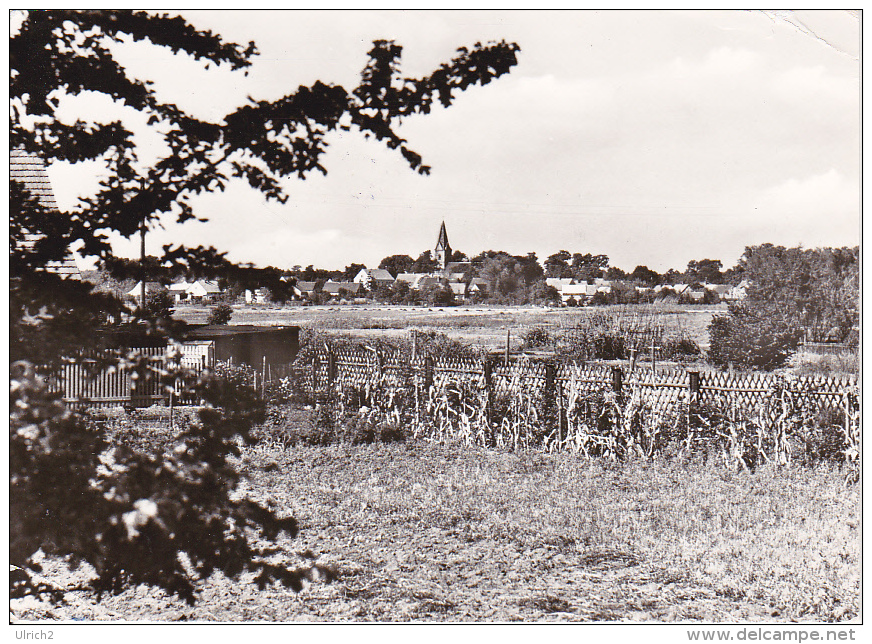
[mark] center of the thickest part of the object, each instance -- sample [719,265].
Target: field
[415,531]
[474,325]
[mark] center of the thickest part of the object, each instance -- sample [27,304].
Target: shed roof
[217,330]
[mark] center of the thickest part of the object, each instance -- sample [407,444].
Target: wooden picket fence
[549,399]
[85,383]
[664,387]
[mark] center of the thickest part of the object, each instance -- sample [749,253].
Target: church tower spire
[442,252]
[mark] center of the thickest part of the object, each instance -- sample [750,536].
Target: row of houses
[196,291]
[371,279]
[570,288]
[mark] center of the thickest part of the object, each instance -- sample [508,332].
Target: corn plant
[591,418]
[455,412]
[852,434]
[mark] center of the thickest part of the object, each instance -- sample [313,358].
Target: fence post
[331,368]
[416,370]
[617,380]
[315,360]
[508,344]
[848,424]
[486,371]
[549,396]
[428,373]
[692,396]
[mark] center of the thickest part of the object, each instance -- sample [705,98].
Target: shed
[249,344]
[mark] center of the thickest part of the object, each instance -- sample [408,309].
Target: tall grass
[615,335]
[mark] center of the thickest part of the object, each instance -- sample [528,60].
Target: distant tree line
[520,279]
[794,295]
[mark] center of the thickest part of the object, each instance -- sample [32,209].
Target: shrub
[537,337]
[747,338]
[220,314]
[159,304]
[679,348]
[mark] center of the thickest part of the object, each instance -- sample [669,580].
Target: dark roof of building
[305,286]
[334,287]
[29,170]
[380,274]
[442,241]
[219,330]
[457,267]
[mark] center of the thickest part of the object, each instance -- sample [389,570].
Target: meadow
[413,530]
[473,324]
[426,532]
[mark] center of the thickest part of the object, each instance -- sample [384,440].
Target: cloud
[720,61]
[829,192]
[821,209]
[814,83]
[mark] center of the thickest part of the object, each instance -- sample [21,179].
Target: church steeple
[442,252]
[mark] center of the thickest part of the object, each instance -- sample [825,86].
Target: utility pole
[142,263]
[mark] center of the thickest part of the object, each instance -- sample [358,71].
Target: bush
[350,415]
[159,304]
[746,338]
[220,314]
[537,337]
[679,348]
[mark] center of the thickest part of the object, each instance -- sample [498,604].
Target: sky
[655,138]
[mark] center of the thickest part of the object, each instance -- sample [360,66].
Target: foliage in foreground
[69,481]
[171,520]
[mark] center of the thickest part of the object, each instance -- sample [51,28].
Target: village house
[372,278]
[737,292]
[578,291]
[559,282]
[257,296]
[418,281]
[203,291]
[720,290]
[478,285]
[334,289]
[179,291]
[150,289]
[458,289]
[304,290]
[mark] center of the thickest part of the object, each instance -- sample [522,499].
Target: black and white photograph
[431,317]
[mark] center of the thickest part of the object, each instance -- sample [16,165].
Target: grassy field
[435,533]
[479,325]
